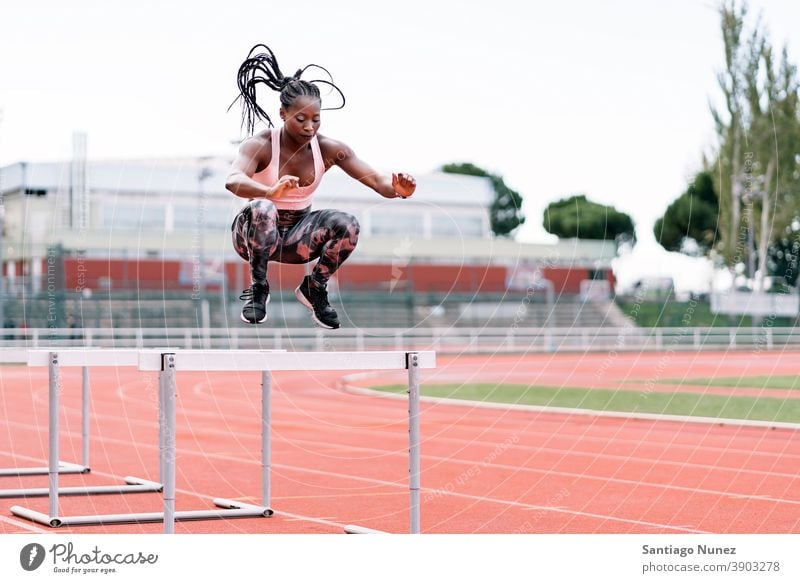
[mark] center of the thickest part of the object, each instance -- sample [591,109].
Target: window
[385,224]
[457,226]
[133,217]
[188,218]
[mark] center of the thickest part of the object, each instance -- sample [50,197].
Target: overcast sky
[604,97]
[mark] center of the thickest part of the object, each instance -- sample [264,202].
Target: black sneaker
[255,310]
[316,300]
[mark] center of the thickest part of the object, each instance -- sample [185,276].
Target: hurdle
[168,364]
[55,466]
[20,356]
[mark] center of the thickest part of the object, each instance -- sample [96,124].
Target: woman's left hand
[404,185]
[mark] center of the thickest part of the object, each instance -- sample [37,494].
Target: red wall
[439,278]
[154,274]
[125,274]
[566,281]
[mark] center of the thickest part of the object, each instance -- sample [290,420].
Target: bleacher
[356,310]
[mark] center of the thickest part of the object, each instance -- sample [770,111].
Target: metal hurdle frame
[20,356]
[167,364]
[55,467]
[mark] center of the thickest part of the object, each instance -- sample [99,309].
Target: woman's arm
[399,185]
[251,156]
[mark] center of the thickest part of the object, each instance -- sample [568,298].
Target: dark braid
[263,68]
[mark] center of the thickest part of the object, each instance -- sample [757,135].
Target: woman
[278,170]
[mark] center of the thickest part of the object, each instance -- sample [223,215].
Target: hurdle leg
[412,364]
[413,440]
[54,378]
[85,418]
[266,436]
[168,445]
[161,427]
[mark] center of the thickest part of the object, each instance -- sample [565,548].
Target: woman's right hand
[283,183]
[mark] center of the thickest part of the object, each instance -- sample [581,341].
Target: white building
[173,209]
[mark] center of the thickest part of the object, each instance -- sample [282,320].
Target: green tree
[756,168]
[693,216]
[578,217]
[505,212]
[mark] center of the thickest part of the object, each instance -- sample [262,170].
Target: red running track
[341,458]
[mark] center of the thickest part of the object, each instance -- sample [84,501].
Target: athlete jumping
[278,170]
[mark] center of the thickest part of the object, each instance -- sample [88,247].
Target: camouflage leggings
[262,233]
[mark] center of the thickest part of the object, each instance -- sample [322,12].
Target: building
[164,226]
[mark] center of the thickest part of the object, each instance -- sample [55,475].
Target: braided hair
[262,67]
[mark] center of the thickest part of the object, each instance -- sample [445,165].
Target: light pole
[747,190]
[751,264]
[203,174]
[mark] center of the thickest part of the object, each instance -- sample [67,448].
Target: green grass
[717,406]
[754,382]
[668,312]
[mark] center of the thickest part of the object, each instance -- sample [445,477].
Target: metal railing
[449,340]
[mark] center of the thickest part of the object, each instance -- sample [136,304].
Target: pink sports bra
[293,198]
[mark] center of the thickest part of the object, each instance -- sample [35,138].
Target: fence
[447,340]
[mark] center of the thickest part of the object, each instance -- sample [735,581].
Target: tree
[505,212]
[692,216]
[578,217]
[758,130]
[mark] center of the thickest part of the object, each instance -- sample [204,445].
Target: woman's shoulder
[258,146]
[332,149]
[263,137]
[327,143]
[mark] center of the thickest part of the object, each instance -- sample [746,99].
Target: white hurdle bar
[54,359]
[20,356]
[169,363]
